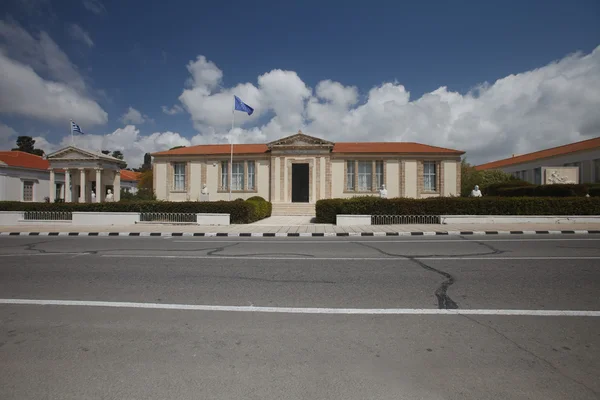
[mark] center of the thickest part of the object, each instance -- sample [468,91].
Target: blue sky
[121,54]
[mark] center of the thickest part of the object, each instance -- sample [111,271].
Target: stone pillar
[82,179]
[117,185]
[68,190]
[99,191]
[52,187]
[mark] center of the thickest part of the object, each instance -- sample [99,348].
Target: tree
[118,154]
[107,152]
[471,177]
[177,147]
[145,186]
[147,165]
[26,144]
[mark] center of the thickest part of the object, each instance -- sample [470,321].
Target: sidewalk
[300,230]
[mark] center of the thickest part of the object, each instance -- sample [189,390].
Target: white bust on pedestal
[109,196]
[93,197]
[476,192]
[204,193]
[383,192]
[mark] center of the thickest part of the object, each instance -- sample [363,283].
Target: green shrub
[557,190]
[241,212]
[594,191]
[261,208]
[326,210]
[492,189]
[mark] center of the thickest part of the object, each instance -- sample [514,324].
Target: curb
[306,234]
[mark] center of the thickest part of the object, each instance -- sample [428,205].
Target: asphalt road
[315,351]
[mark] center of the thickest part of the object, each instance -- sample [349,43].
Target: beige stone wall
[160,180]
[392,178]
[450,178]
[194,178]
[323,178]
[276,179]
[410,179]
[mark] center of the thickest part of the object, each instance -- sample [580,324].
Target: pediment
[72,153]
[299,140]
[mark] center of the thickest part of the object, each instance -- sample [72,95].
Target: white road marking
[304,310]
[243,258]
[294,240]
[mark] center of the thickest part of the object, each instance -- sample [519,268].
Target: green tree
[26,144]
[177,147]
[118,154]
[471,177]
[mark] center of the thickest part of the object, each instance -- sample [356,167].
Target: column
[99,191]
[117,185]
[82,179]
[68,190]
[52,187]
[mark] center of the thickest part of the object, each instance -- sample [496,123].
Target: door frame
[310,162]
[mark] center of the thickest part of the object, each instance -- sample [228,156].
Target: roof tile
[23,160]
[538,155]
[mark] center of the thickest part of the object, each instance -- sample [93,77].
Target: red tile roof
[214,149]
[589,144]
[127,175]
[23,160]
[357,147]
[391,147]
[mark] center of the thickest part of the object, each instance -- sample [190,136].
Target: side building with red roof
[303,169]
[26,177]
[577,162]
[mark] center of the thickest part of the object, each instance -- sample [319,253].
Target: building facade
[25,177]
[572,163]
[304,169]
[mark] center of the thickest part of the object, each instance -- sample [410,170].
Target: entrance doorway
[300,183]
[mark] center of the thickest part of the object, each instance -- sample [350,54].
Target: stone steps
[280,209]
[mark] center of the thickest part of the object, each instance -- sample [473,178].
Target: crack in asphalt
[531,353]
[444,301]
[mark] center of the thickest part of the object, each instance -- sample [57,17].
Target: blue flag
[241,106]
[76,128]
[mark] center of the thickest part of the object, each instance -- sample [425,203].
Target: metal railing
[172,218]
[404,219]
[48,216]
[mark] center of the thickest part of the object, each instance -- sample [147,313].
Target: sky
[487,77]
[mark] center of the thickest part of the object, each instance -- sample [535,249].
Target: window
[179,176]
[365,176]
[58,191]
[27,191]
[379,174]
[237,175]
[224,175]
[251,175]
[429,176]
[350,175]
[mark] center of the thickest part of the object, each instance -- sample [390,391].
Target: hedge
[492,190]
[326,210]
[557,190]
[241,212]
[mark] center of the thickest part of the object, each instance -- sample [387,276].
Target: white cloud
[176,109]
[133,116]
[8,137]
[94,6]
[78,33]
[552,105]
[39,81]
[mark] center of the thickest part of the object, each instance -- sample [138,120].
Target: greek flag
[241,106]
[75,128]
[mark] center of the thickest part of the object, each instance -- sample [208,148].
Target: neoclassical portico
[86,172]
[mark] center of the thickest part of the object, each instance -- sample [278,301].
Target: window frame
[181,174]
[25,183]
[433,184]
[251,175]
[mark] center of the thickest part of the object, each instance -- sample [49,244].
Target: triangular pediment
[75,153]
[300,140]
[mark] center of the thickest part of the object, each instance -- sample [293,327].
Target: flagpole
[230,172]
[71,127]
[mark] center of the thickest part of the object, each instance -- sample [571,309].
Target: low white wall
[350,220]
[105,218]
[11,217]
[518,219]
[212,219]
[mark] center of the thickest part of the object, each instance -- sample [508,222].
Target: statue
[109,196]
[476,192]
[204,194]
[204,189]
[383,192]
[556,178]
[93,197]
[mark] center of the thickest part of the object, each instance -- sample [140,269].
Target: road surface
[295,318]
